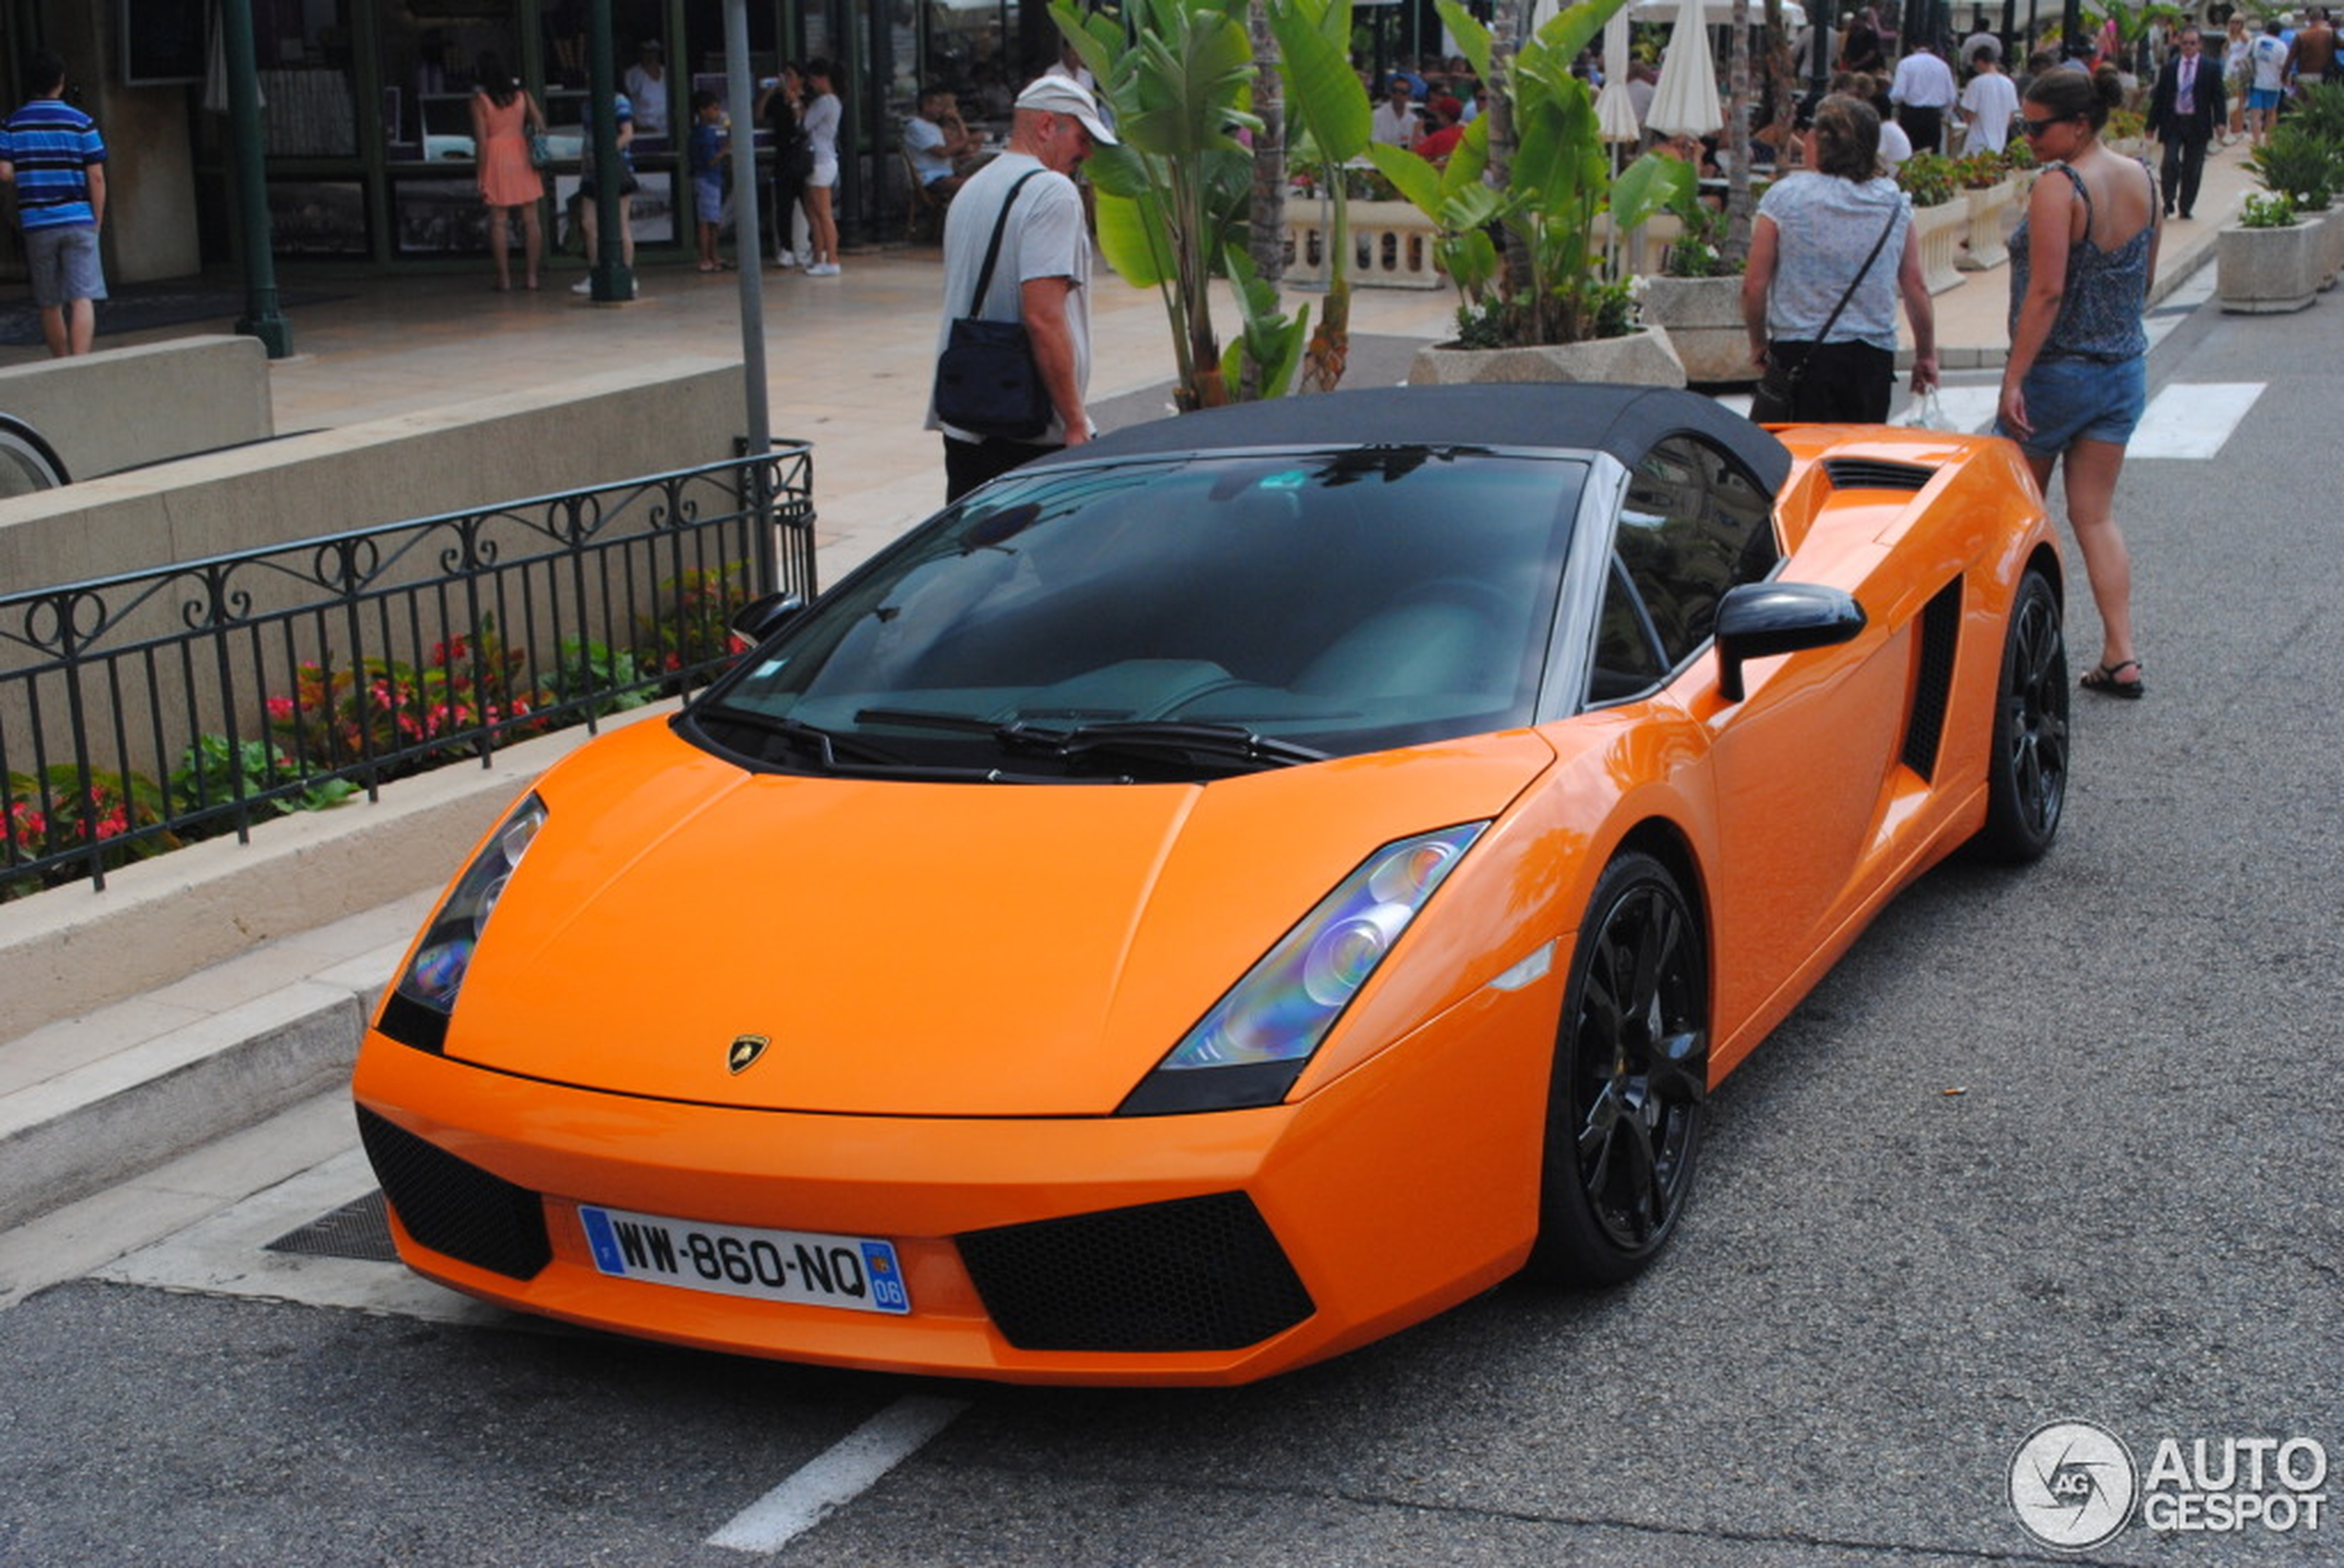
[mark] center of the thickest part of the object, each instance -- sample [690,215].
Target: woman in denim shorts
[2081,263]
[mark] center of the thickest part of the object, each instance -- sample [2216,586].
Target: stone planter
[1642,358]
[1703,316]
[1988,209]
[2270,272]
[1940,230]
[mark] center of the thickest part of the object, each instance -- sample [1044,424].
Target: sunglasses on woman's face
[2033,128]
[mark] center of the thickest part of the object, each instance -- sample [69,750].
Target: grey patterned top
[1826,226]
[2099,313]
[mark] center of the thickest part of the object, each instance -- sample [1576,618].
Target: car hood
[914,949]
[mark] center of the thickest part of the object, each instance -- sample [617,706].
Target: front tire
[2027,772]
[1631,1063]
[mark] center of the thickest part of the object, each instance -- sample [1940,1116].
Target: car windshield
[1182,617]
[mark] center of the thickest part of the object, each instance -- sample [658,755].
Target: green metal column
[261,318]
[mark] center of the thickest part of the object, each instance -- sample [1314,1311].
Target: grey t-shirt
[1044,239]
[1825,226]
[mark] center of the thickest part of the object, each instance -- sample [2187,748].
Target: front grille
[1874,473]
[453,1207]
[1194,1273]
[1933,688]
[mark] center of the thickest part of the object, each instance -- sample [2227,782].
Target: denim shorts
[708,198]
[63,259]
[2081,400]
[2262,98]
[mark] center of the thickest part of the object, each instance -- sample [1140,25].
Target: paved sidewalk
[849,359]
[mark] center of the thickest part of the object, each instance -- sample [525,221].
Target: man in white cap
[1042,277]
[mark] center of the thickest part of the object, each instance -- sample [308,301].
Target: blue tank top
[2101,314]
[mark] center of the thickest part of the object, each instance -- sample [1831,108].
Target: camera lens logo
[2072,1485]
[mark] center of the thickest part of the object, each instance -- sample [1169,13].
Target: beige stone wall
[119,408]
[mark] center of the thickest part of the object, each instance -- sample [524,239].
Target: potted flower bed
[1990,188]
[2271,260]
[1940,216]
[1697,297]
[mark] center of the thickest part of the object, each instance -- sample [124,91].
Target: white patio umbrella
[1685,101]
[1614,112]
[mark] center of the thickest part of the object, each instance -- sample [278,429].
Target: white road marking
[1968,410]
[2194,420]
[839,1474]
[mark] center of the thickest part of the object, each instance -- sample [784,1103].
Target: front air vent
[1873,474]
[1194,1273]
[1933,684]
[452,1206]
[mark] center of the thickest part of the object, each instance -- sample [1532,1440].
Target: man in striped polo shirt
[51,153]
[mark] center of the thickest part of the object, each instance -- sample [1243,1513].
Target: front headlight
[416,1011]
[1251,1047]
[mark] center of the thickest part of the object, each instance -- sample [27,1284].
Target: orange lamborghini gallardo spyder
[1221,893]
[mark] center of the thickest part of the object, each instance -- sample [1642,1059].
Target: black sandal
[2103,680]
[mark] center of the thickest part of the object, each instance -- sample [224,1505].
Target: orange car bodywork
[958,996]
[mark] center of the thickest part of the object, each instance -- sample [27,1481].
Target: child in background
[707,155]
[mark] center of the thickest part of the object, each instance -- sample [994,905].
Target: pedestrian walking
[503,116]
[2266,59]
[2238,73]
[1922,91]
[1041,276]
[782,107]
[1988,105]
[1832,251]
[2082,261]
[590,193]
[51,153]
[2185,110]
[823,113]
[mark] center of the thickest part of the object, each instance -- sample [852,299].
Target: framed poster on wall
[162,42]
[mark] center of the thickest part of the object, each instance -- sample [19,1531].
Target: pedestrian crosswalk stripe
[2193,421]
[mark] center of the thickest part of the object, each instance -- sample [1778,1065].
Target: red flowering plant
[54,813]
[693,628]
[343,714]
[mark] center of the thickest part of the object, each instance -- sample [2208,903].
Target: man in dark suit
[2184,109]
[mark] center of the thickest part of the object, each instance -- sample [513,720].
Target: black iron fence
[143,710]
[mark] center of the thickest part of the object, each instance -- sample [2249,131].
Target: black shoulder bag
[1777,398]
[987,382]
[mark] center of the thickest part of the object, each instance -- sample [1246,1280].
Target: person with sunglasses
[2082,262]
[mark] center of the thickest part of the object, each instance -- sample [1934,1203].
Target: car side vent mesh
[1932,690]
[1873,474]
[1194,1273]
[453,1207]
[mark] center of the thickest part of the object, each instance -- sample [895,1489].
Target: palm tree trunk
[1738,132]
[1265,235]
[1505,36]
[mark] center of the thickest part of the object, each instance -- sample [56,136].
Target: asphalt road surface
[2058,1144]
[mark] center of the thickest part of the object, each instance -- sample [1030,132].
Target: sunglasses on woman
[2033,128]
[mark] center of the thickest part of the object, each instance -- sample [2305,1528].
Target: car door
[1797,766]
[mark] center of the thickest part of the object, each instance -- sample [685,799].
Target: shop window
[302,50]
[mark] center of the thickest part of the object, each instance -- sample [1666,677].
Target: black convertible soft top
[1571,416]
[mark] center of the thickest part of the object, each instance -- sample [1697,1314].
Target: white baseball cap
[1063,95]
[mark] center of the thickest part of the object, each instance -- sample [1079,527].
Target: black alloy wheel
[1631,1063]
[2027,772]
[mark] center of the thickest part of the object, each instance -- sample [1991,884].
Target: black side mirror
[760,618]
[1758,619]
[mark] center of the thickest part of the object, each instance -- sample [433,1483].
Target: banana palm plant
[1546,189]
[1327,102]
[1173,196]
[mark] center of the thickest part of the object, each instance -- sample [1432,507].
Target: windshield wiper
[1180,740]
[1168,741]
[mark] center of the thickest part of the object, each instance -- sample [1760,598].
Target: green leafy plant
[2274,212]
[1981,171]
[1928,178]
[2295,163]
[214,771]
[597,677]
[1550,183]
[1328,104]
[1173,193]
[1698,251]
[343,714]
[693,626]
[2123,124]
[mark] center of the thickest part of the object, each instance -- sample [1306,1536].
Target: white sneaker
[787,259]
[583,286]
[822,269]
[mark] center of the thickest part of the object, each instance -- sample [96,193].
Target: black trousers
[2185,164]
[968,464]
[1842,384]
[1923,125]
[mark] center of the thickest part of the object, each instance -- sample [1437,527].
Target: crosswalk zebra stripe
[2191,420]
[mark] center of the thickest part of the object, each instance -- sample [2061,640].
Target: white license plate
[855,1271]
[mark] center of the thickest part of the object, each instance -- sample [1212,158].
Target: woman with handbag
[1830,254]
[504,115]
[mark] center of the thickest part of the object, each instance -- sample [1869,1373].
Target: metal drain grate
[360,1229]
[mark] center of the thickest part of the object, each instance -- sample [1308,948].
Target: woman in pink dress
[503,112]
